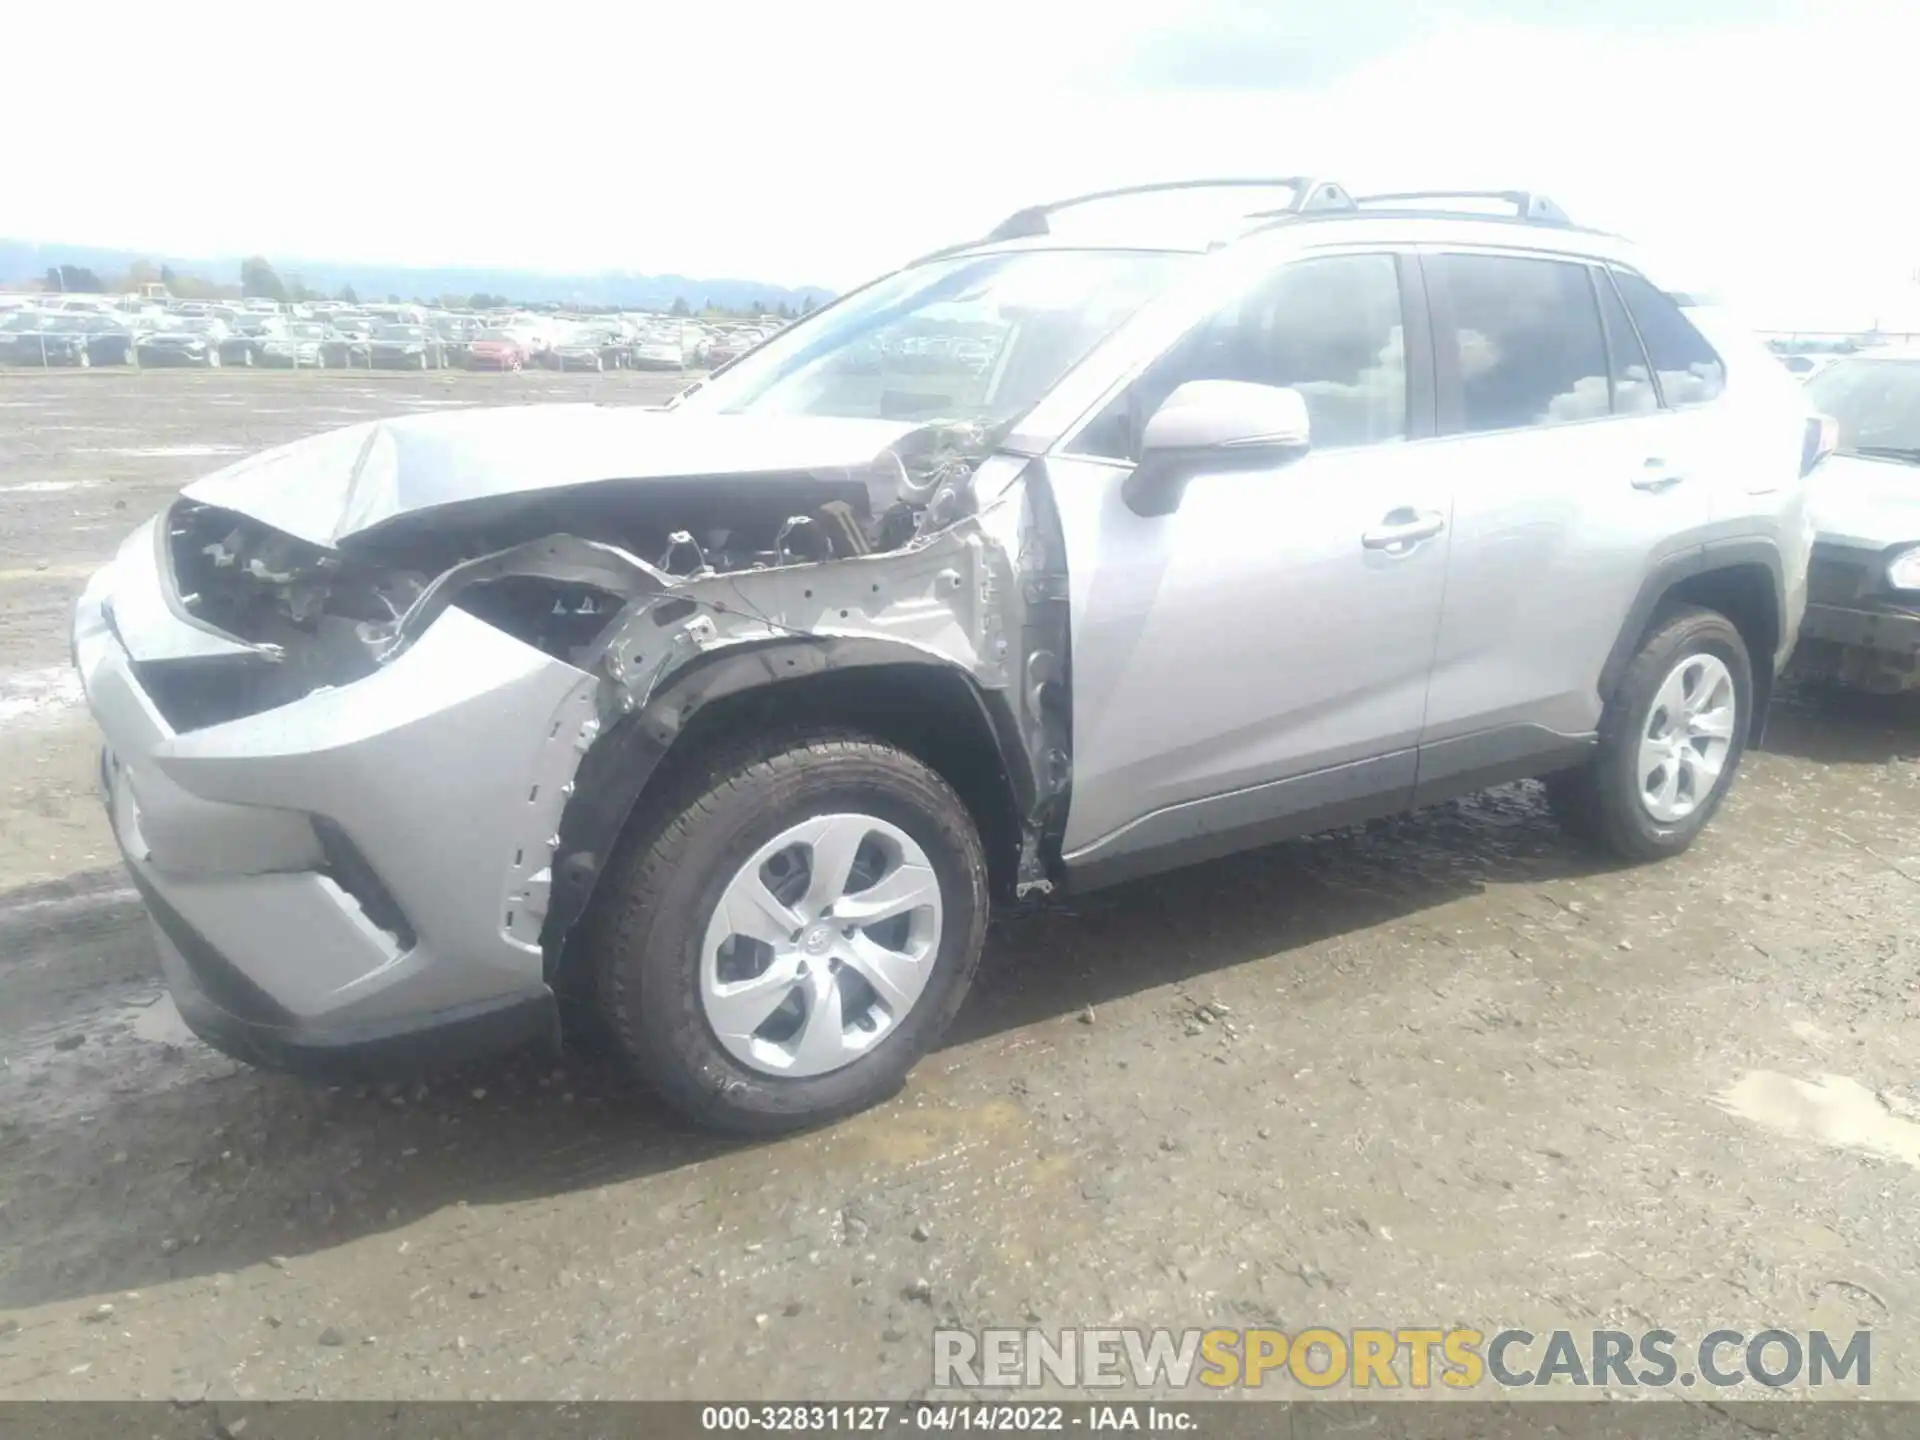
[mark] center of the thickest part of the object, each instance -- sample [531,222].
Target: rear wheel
[1671,739]
[84,359]
[213,358]
[785,936]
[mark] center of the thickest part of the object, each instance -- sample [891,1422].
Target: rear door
[1571,483]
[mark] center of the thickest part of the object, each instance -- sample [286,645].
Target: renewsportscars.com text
[1403,1357]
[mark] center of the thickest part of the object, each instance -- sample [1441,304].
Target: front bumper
[1893,632]
[355,881]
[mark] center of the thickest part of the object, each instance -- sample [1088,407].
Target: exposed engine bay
[929,552]
[328,615]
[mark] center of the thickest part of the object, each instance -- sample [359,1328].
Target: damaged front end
[671,592]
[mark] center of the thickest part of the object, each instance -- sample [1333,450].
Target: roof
[1196,216]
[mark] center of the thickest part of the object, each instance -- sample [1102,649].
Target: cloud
[1259,45]
[1752,141]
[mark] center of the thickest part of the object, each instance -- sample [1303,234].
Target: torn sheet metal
[928,547]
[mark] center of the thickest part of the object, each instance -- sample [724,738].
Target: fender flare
[620,766]
[1675,570]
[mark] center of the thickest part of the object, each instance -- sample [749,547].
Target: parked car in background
[725,349]
[407,347]
[587,349]
[496,350]
[188,340]
[351,325]
[657,351]
[300,343]
[348,346]
[457,334]
[77,337]
[251,331]
[1863,592]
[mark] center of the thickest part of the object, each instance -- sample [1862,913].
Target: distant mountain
[21,261]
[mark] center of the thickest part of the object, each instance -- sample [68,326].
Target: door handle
[1656,475]
[1403,529]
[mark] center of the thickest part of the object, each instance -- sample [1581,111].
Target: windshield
[1876,402]
[403,332]
[307,331]
[979,338]
[501,335]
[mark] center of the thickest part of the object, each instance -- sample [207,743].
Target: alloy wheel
[820,945]
[1687,737]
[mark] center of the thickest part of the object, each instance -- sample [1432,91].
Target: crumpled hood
[328,487]
[1869,504]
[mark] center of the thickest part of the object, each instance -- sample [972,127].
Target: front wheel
[213,359]
[1671,739]
[788,933]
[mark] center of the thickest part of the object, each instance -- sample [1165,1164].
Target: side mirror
[1213,425]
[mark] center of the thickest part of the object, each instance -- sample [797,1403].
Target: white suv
[1044,562]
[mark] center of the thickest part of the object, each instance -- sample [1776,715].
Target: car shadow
[1833,726]
[223,1172]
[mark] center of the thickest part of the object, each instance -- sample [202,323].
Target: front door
[1260,656]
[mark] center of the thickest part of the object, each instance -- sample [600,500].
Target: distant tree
[141,273]
[680,306]
[785,312]
[258,278]
[393,299]
[481,300]
[347,296]
[74,279]
[187,287]
[167,277]
[806,305]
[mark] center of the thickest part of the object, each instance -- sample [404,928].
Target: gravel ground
[1433,1071]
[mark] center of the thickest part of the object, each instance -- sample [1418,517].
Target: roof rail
[1308,194]
[1526,204]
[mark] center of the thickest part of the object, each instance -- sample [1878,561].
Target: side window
[1633,392]
[1328,327]
[1530,348]
[1690,373]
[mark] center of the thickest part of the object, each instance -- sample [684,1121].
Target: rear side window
[1529,349]
[1685,364]
[1633,392]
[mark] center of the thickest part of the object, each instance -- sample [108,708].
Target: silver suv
[1129,535]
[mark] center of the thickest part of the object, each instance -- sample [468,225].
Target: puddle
[158,1021]
[30,697]
[1832,1110]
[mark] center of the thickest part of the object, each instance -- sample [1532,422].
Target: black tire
[644,937]
[1600,802]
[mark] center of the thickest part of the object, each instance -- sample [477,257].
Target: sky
[1755,146]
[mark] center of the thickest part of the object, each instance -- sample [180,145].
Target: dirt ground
[1440,1070]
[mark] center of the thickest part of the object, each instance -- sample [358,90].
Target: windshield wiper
[1909,454]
